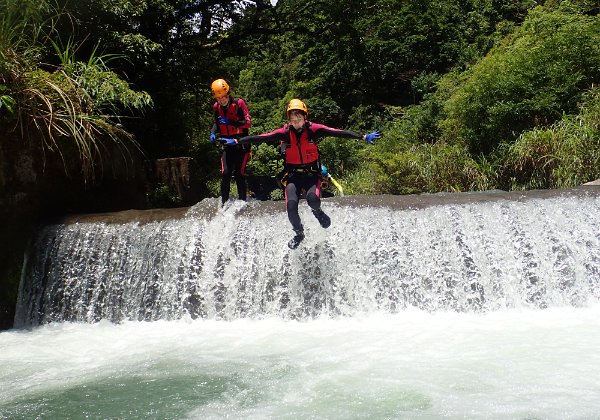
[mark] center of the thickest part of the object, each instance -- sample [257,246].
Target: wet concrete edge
[208,208]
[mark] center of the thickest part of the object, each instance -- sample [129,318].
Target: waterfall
[443,252]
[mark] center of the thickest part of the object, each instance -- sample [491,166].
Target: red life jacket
[233,112]
[300,151]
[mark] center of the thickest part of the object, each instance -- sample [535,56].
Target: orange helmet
[297,104]
[219,88]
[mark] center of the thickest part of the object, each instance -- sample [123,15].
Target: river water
[480,308]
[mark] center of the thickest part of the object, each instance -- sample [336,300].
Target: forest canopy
[470,94]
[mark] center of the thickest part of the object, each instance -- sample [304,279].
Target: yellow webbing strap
[337,185]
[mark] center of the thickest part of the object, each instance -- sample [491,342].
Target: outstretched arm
[320,130]
[273,136]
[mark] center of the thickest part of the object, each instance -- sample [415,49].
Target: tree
[531,79]
[170,47]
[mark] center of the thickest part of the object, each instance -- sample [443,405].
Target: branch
[271,20]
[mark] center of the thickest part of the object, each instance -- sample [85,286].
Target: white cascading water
[476,256]
[451,306]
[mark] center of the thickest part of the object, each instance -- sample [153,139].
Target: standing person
[232,120]
[302,168]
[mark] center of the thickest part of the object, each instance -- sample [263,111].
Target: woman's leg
[313,197]
[291,201]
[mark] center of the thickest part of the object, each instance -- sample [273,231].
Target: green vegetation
[564,154]
[531,79]
[60,124]
[452,90]
[71,105]
[162,197]
[470,95]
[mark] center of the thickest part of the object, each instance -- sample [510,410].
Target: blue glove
[228,141]
[370,137]
[213,138]
[324,171]
[224,121]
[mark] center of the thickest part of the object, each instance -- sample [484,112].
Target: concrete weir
[396,202]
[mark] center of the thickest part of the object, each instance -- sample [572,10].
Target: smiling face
[223,100]
[296,118]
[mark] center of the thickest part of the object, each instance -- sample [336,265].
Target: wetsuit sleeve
[273,136]
[320,130]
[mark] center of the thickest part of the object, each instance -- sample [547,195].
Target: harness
[300,156]
[233,112]
[302,150]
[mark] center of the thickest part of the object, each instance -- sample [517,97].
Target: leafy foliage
[563,155]
[530,80]
[266,161]
[395,167]
[6,101]
[448,81]
[65,106]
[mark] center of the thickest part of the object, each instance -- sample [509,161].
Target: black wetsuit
[302,166]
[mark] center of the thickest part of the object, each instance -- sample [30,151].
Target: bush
[530,80]
[563,155]
[72,107]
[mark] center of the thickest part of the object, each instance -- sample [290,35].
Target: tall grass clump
[565,154]
[431,168]
[401,163]
[72,107]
